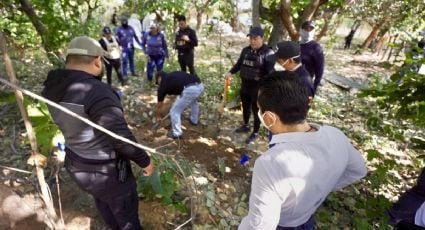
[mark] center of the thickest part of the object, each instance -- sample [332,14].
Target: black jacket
[183,46]
[85,95]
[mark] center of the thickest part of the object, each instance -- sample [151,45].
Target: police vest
[112,48]
[252,67]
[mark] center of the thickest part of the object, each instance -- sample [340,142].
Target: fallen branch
[36,157]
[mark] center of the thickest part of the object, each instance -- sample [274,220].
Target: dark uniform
[185,49]
[91,155]
[253,65]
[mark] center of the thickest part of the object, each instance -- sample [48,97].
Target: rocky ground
[210,150]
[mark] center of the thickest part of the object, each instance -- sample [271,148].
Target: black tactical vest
[252,68]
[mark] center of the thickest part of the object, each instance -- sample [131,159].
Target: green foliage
[46,132]
[402,96]
[164,182]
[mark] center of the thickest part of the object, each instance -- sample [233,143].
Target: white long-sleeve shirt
[292,179]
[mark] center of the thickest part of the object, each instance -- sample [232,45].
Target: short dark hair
[181,18]
[285,94]
[79,59]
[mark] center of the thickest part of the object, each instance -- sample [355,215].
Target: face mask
[260,116]
[306,36]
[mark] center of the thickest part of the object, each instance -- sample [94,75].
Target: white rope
[88,122]
[69,112]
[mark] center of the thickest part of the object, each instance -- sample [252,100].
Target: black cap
[256,31]
[287,49]
[107,30]
[307,24]
[123,19]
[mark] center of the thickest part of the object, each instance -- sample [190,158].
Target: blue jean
[154,60]
[128,57]
[188,97]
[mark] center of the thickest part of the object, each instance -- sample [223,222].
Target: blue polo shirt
[173,83]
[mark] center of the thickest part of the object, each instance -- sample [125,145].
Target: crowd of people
[304,163]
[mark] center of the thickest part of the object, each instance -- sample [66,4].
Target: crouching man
[189,88]
[307,162]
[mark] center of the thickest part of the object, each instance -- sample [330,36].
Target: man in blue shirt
[125,35]
[189,88]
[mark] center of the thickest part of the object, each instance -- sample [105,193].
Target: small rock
[211,177]
[223,223]
[201,180]
[243,197]
[145,115]
[241,211]
[222,196]
[236,200]
[213,211]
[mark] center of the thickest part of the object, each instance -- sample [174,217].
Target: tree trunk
[198,20]
[328,19]
[235,24]
[279,33]
[373,34]
[52,55]
[381,42]
[285,13]
[255,12]
[310,10]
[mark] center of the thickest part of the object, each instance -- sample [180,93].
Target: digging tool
[220,108]
[157,125]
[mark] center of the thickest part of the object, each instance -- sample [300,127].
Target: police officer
[255,62]
[185,43]
[98,163]
[311,54]
[189,88]
[112,56]
[288,56]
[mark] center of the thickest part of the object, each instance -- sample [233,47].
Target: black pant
[116,64]
[116,202]
[248,95]
[186,60]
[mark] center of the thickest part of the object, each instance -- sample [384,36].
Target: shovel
[157,125]
[220,108]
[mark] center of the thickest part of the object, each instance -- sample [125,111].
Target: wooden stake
[36,158]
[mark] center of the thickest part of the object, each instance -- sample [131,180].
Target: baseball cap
[107,30]
[256,31]
[123,19]
[307,24]
[287,49]
[86,46]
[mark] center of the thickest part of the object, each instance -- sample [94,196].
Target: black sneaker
[171,135]
[192,123]
[134,74]
[242,129]
[251,138]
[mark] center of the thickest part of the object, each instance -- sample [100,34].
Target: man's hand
[149,169]
[185,37]
[228,76]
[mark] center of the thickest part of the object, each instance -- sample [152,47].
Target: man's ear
[98,62]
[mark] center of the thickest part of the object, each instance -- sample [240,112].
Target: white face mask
[306,36]
[260,116]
